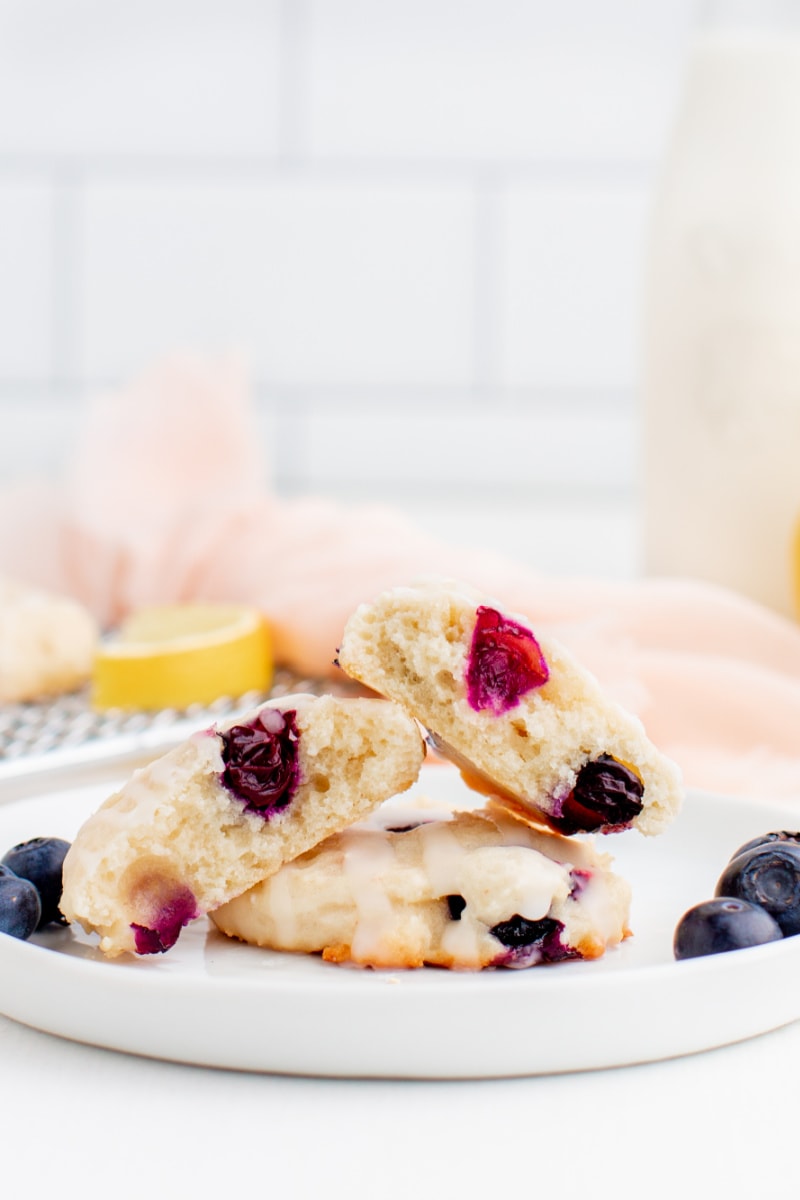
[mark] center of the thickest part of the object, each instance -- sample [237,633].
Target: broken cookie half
[517,714]
[227,808]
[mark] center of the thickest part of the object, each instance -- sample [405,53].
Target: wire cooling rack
[66,739]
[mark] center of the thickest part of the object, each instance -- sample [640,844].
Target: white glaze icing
[385,894]
[498,882]
[366,858]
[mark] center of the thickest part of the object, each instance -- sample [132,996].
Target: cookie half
[462,890]
[515,712]
[47,643]
[227,808]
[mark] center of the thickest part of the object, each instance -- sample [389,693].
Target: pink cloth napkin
[165,499]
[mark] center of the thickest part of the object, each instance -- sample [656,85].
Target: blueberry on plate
[779,835]
[20,906]
[725,923]
[40,861]
[769,876]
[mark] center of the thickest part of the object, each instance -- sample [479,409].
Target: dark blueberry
[769,876]
[40,861]
[20,906]
[532,941]
[455,906]
[781,835]
[607,795]
[725,923]
[260,759]
[519,931]
[505,662]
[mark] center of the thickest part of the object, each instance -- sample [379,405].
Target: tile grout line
[296,159]
[619,400]
[293,83]
[66,275]
[487,281]
[287,465]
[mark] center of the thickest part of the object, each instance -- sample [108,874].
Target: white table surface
[718,1124]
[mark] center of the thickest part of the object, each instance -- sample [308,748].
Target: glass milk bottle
[721,379]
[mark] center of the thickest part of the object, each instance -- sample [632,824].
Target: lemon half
[171,656]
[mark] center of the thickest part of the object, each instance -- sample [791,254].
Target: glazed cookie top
[414,885]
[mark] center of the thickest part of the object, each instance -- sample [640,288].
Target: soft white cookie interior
[174,825]
[412,645]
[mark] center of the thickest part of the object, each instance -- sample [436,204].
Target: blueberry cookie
[47,643]
[461,890]
[520,718]
[227,808]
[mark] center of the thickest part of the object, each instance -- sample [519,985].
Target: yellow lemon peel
[171,656]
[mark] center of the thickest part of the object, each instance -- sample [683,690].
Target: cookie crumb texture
[228,808]
[521,719]
[464,891]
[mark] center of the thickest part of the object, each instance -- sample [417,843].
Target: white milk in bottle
[721,377]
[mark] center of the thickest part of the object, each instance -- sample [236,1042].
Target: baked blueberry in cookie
[504,662]
[260,760]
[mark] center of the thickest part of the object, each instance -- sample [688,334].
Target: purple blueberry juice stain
[578,878]
[606,798]
[166,923]
[261,766]
[531,942]
[504,663]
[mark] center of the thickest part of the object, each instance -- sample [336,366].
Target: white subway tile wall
[356,282]
[27,278]
[421,221]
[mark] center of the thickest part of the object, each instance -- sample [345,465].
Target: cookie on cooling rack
[227,808]
[461,890]
[47,643]
[513,710]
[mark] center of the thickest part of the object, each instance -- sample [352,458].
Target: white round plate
[213,1002]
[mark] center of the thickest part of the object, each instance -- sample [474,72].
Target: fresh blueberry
[40,861]
[769,876]
[20,906]
[780,835]
[725,923]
